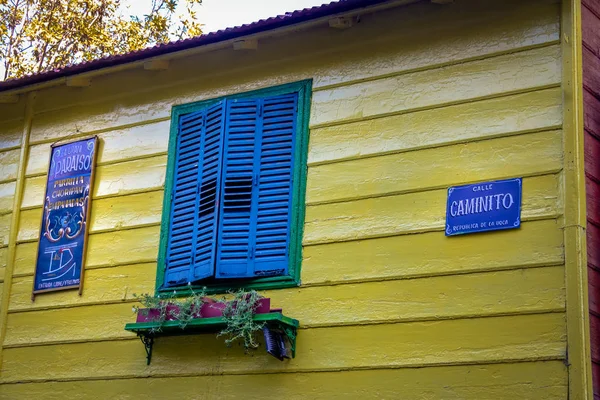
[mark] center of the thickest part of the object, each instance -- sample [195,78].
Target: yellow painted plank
[536,381]
[472,340]
[493,293]
[3,261]
[481,119]
[126,211]
[25,258]
[122,144]
[113,179]
[490,293]
[109,213]
[10,133]
[37,161]
[33,191]
[129,246]
[4,229]
[408,213]
[29,224]
[427,36]
[507,73]
[131,110]
[7,194]
[99,322]
[130,176]
[134,142]
[535,243]
[466,30]
[522,155]
[123,247]
[9,161]
[100,285]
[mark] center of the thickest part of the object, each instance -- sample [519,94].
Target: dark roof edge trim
[261,26]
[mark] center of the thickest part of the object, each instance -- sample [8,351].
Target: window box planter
[209,309]
[212,310]
[153,314]
[239,320]
[274,321]
[263,306]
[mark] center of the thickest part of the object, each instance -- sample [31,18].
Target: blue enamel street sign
[487,206]
[61,247]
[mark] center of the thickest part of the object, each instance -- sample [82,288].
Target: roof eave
[272,26]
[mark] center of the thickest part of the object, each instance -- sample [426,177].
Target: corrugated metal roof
[263,25]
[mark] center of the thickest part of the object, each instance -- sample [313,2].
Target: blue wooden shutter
[274,197]
[254,224]
[235,220]
[209,177]
[190,249]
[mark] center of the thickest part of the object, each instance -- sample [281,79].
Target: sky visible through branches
[220,14]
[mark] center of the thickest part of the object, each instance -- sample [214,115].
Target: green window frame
[292,278]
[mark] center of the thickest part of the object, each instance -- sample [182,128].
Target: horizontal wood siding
[466,341]
[406,103]
[544,379]
[591,85]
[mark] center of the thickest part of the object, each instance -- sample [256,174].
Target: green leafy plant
[189,307]
[153,302]
[42,35]
[169,306]
[238,315]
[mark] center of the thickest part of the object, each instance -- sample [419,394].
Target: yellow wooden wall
[405,104]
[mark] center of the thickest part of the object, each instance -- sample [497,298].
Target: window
[234,194]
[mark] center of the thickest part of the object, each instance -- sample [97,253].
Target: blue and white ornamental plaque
[482,207]
[61,248]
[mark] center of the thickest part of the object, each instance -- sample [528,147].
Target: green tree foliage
[41,35]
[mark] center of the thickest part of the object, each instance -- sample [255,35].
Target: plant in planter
[161,308]
[156,309]
[238,315]
[189,308]
[212,308]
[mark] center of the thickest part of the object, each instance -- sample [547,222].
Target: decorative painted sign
[488,206]
[61,248]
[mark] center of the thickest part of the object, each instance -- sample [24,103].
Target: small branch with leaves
[41,35]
